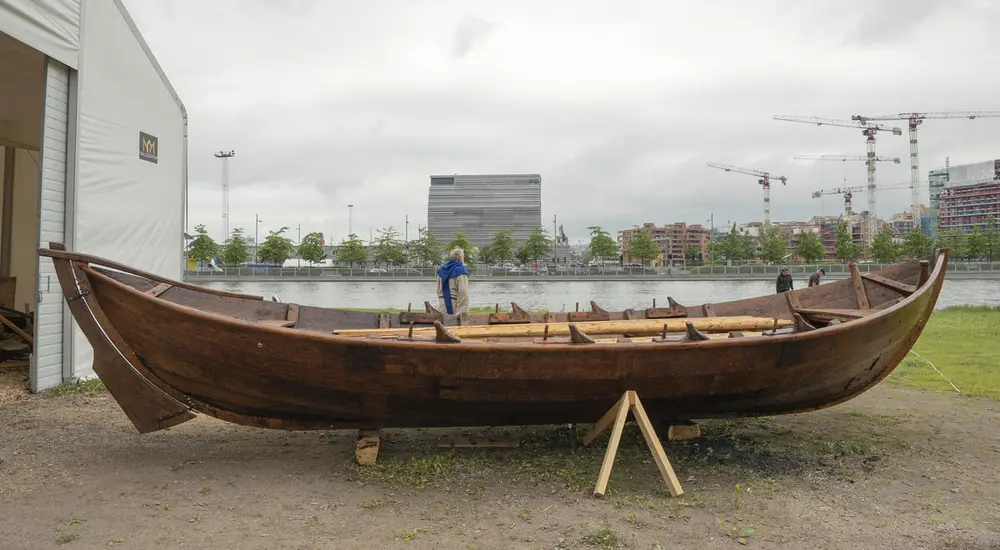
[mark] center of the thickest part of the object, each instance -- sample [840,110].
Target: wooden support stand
[615,419]
[366,449]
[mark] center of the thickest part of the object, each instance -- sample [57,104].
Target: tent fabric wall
[25,224]
[49,313]
[50,26]
[126,208]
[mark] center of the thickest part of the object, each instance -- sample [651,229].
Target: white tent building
[93,154]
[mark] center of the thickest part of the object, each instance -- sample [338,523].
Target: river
[559,296]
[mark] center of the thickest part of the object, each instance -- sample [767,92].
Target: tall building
[937,179]
[482,205]
[970,197]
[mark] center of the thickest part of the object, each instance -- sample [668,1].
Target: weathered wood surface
[201,351]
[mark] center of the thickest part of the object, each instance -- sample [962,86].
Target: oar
[637,326]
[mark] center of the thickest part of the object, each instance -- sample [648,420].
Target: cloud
[470,31]
[330,103]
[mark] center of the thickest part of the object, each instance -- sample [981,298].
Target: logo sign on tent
[148,146]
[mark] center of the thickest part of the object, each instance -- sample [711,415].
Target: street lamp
[256,237]
[350,214]
[298,245]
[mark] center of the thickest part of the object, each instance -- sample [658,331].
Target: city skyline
[355,104]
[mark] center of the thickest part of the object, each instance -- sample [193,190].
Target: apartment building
[966,207]
[673,239]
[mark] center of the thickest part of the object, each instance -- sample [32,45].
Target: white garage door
[50,318]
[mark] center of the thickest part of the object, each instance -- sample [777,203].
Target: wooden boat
[166,349]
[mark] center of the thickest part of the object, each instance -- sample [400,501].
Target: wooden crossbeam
[17,330]
[159,289]
[889,283]
[615,419]
[830,314]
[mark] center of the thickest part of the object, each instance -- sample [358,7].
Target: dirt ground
[894,468]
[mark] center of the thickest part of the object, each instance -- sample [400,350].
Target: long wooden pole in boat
[636,326]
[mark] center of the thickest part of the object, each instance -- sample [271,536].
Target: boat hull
[202,352]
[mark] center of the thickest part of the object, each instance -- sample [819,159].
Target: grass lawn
[964,344]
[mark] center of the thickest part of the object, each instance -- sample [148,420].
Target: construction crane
[764,181]
[848,194]
[846,157]
[914,120]
[868,130]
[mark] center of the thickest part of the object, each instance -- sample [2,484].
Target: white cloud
[619,107]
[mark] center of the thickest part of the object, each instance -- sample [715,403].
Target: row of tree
[773,245]
[387,249]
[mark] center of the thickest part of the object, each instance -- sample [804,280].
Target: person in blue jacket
[453,284]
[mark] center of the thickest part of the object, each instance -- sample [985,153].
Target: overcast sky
[619,106]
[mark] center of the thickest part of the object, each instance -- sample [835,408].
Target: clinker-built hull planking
[165,349]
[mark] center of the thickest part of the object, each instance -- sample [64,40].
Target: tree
[426,249]
[487,255]
[917,245]
[236,252]
[883,250]
[602,246]
[773,243]
[641,245]
[735,246]
[846,249]
[538,245]
[276,248]
[992,239]
[461,240]
[956,243]
[311,248]
[388,247]
[501,248]
[691,253]
[352,250]
[810,248]
[202,248]
[975,244]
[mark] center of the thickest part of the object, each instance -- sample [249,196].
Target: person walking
[814,279]
[784,283]
[453,284]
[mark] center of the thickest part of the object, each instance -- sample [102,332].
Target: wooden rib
[859,287]
[431,309]
[672,304]
[889,283]
[443,335]
[695,334]
[629,314]
[280,323]
[577,336]
[293,315]
[925,273]
[518,311]
[793,302]
[707,310]
[801,325]
[383,320]
[159,289]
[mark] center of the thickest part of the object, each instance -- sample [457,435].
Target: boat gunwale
[392,343]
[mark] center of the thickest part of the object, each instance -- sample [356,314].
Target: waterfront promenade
[963,270]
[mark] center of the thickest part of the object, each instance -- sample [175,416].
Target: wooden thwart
[829,314]
[889,283]
[615,419]
[159,289]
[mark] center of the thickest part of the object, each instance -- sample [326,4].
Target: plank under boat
[167,349]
